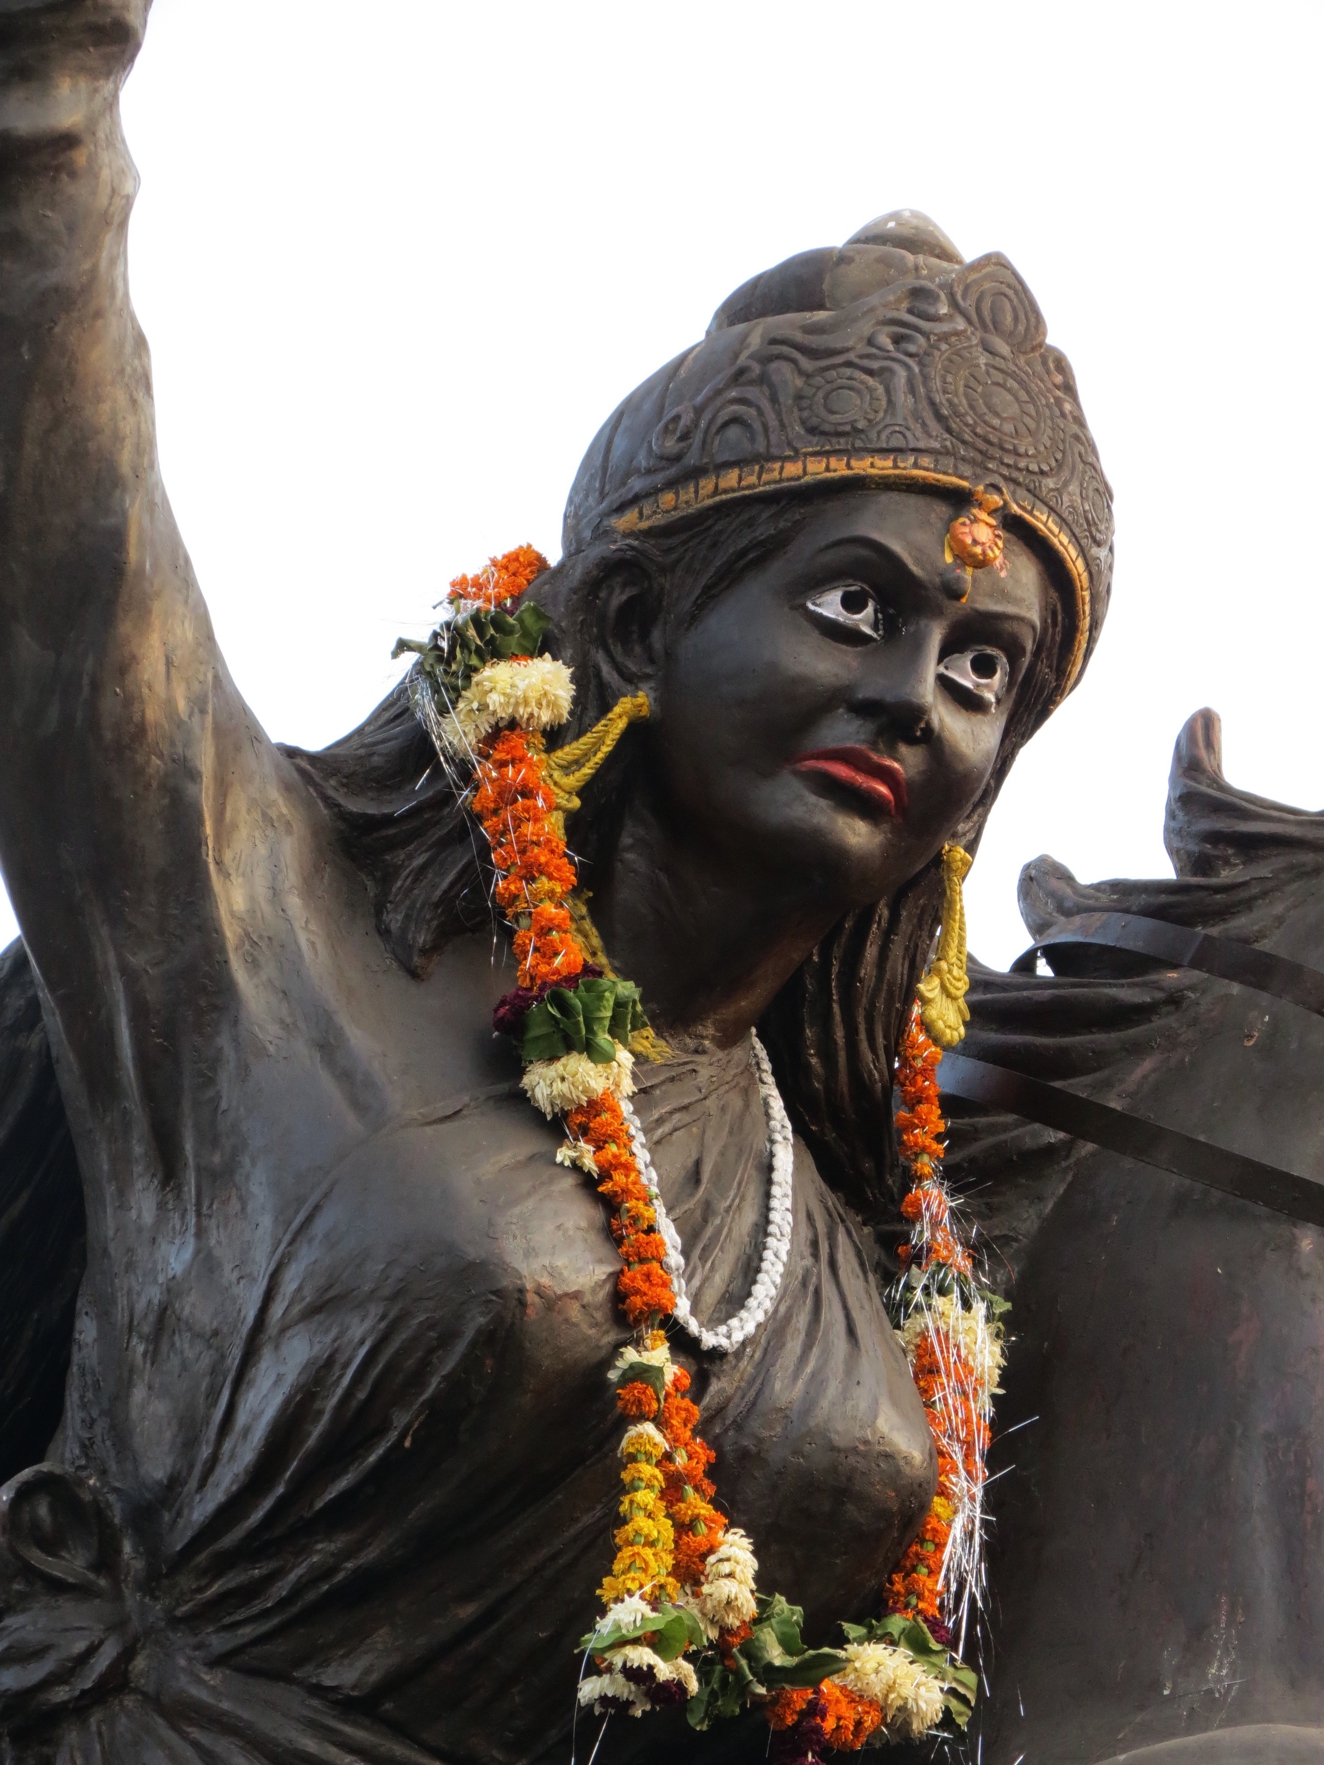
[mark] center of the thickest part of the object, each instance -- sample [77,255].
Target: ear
[629,615]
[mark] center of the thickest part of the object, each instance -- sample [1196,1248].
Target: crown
[888,360]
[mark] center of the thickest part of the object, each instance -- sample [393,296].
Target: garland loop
[683,1620]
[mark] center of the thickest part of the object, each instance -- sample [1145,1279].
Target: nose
[895,688]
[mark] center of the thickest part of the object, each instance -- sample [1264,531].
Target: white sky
[397,263]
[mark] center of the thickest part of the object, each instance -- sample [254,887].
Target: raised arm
[137,794]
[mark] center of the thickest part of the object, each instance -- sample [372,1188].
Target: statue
[1159,1595]
[306,1446]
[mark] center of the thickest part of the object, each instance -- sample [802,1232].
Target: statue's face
[831,716]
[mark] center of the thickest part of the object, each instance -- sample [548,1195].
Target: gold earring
[569,769]
[941,993]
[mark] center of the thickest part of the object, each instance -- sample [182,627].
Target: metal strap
[1167,1149]
[1209,954]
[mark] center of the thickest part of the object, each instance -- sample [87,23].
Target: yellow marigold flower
[638,1502]
[640,1530]
[643,1441]
[642,1476]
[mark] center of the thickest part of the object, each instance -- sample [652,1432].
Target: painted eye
[978,675]
[849,610]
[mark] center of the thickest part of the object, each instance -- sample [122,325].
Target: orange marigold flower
[848,1719]
[682,1414]
[502,579]
[637,1399]
[728,1641]
[645,1290]
[627,1193]
[553,958]
[644,1247]
[599,1122]
[512,747]
[927,1202]
[614,1160]
[785,1710]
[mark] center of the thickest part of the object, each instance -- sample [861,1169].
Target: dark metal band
[1223,958]
[1115,1130]
[1300,1198]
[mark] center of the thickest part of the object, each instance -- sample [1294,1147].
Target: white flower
[632,1654]
[922,1710]
[651,1357]
[910,1698]
[627,1612]
[726,1604]
[726,1598]
[579,1155]
[733,1559]
[555,1086]
[680,1669]
[612,1685]
[535,692]
[691,1602]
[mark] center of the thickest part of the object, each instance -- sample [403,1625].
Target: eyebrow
[886,551]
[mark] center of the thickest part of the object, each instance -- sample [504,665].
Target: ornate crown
[888,359]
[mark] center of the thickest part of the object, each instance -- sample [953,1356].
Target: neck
[708,944]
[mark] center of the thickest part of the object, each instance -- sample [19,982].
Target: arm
[144,830]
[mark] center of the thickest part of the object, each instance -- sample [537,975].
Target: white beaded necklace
[777,1237]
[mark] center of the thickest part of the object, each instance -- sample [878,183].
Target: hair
[833,1029]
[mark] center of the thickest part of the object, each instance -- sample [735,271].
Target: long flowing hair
[833,1029]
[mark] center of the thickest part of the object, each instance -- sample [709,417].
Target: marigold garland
[953,1342]
[682,1585]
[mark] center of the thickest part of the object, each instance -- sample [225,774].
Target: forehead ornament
[974,542]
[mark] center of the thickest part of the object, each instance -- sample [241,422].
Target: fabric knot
[66,1631]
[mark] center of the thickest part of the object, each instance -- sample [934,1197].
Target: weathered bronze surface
[302,1330]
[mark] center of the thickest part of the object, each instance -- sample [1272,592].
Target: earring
[569,769]
[941,993]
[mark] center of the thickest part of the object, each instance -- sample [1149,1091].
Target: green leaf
[643,1373]
[774,1609]
[574,1020]
[681,1631]
[530,623]
[627,1012]
[803,1671]
[705,1706]
[596,1003]
[550,1029]
[762,1648]
[671,1630]
[957,1708]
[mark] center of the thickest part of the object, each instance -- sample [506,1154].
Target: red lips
[882,781]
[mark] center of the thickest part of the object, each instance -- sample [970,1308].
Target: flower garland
[952,1336]
[683,1620]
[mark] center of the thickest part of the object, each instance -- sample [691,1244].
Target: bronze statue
[305,1333]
